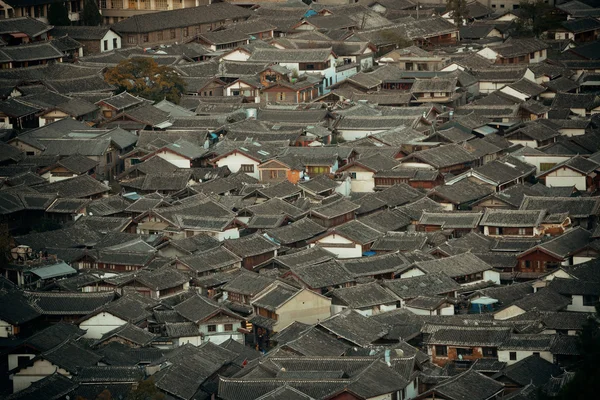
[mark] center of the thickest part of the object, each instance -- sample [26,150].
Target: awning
[484,301]
[485,130]
[53,271]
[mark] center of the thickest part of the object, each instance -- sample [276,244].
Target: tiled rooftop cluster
[349,201]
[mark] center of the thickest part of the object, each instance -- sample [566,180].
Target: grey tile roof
[190,367]
[248,283]
[81,32]
[470,384]
[323,275]
[564,245]
[303,229]
[18,309]
[531,370]
[131,308]
[310,256]
[543,300]
[290,55]
[250,245]
[512,218]
[528,342]
[399,195]
[443,156]
[78,187]
[573,287]
[198,308]
[275,297]
[354,327]
[462,192]
[107,206]
[517,47]
[363,296]
[374,265]
[387,220]
[467,336]
[357,232]
[56,303]
[334,209]
[71,355]
[455,266]
[211,260]
[508,294]
[129,333]
[399,241]
[52,387]
[181,18]
[433,283]
[110,374]
[415,209]
[454,220]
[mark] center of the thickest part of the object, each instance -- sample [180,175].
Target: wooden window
[22,361]
[513,355]
[173,34]
[131,39]
[461,351]
[489,352]
[105,45]
[441,351]
[212,328]
[159,36]
[590,300]
[247,168]
[546,166]
[145,38]
[186,32]
[161,4]
[228,327]
[234,297]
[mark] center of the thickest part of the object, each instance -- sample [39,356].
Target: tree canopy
[142,76]
[585,384]
[91,15]
[459,11]
[535,18]
[146,390]
[58,15]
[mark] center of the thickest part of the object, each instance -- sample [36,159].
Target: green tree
[535,18]
[5,244]
[45,225]
[58,15]
[585,384]
[91,15]
[458,11]
[146,390]
[142,76]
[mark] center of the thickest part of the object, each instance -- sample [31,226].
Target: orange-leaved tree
[142,76]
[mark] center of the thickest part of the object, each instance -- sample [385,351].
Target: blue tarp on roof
[53,271]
